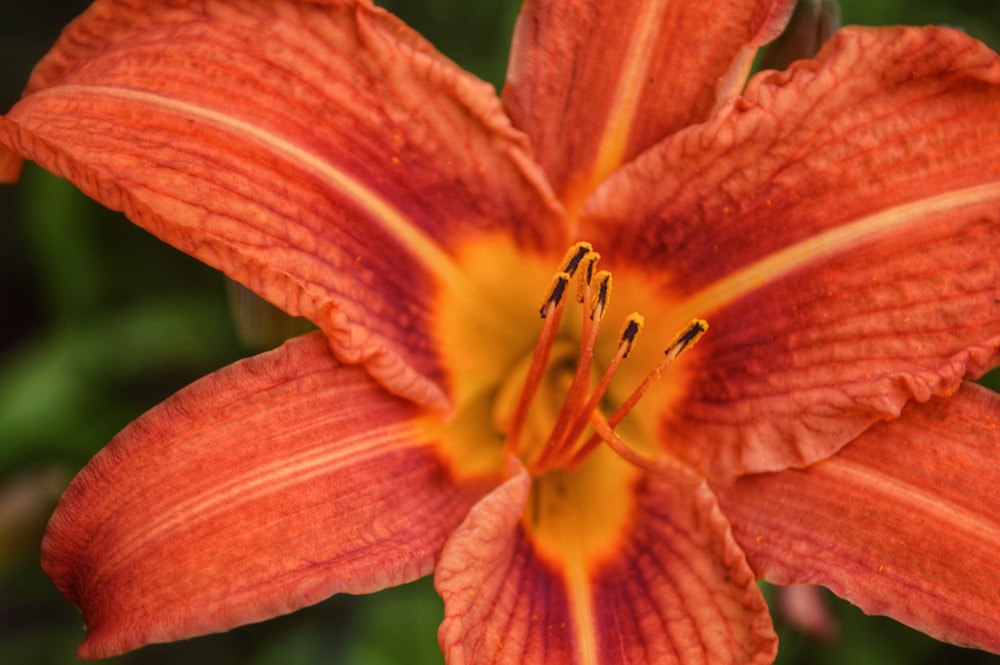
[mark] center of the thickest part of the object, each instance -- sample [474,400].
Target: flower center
[549,435]
[554,395]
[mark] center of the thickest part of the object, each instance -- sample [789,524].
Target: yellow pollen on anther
[588,267]
[601,293]
[554,294]
[574,255]
[686,338]
[630,330]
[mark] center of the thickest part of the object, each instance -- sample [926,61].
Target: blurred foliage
[104,321]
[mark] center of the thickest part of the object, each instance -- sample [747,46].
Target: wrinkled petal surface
[840,233]
[596,83]
[265,487]
[676,590]
[322,154]
[901,522]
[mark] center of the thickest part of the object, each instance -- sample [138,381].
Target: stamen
[593,312]
[602,294]
[551,311]
[681,342]
[626,339]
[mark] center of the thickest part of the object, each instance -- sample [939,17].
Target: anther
[686,338]
[593,292]
[630,330]
[574,255]
[592,260]
[601,294]
[589,266]
[554,293]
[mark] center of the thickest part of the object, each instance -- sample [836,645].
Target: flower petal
[596,83]
[676,590]
[680,586]
[839,228]
[265,487]
[322,154]
[903,522]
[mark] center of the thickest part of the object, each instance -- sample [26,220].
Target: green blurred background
[103,322]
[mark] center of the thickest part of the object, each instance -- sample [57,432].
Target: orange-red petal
[678,588]
[264,487]
[322,154]
[903,521]
[839,227]
[596,83]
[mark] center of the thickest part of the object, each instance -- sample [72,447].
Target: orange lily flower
[838,225]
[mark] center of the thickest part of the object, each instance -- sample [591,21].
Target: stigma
[584,417]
